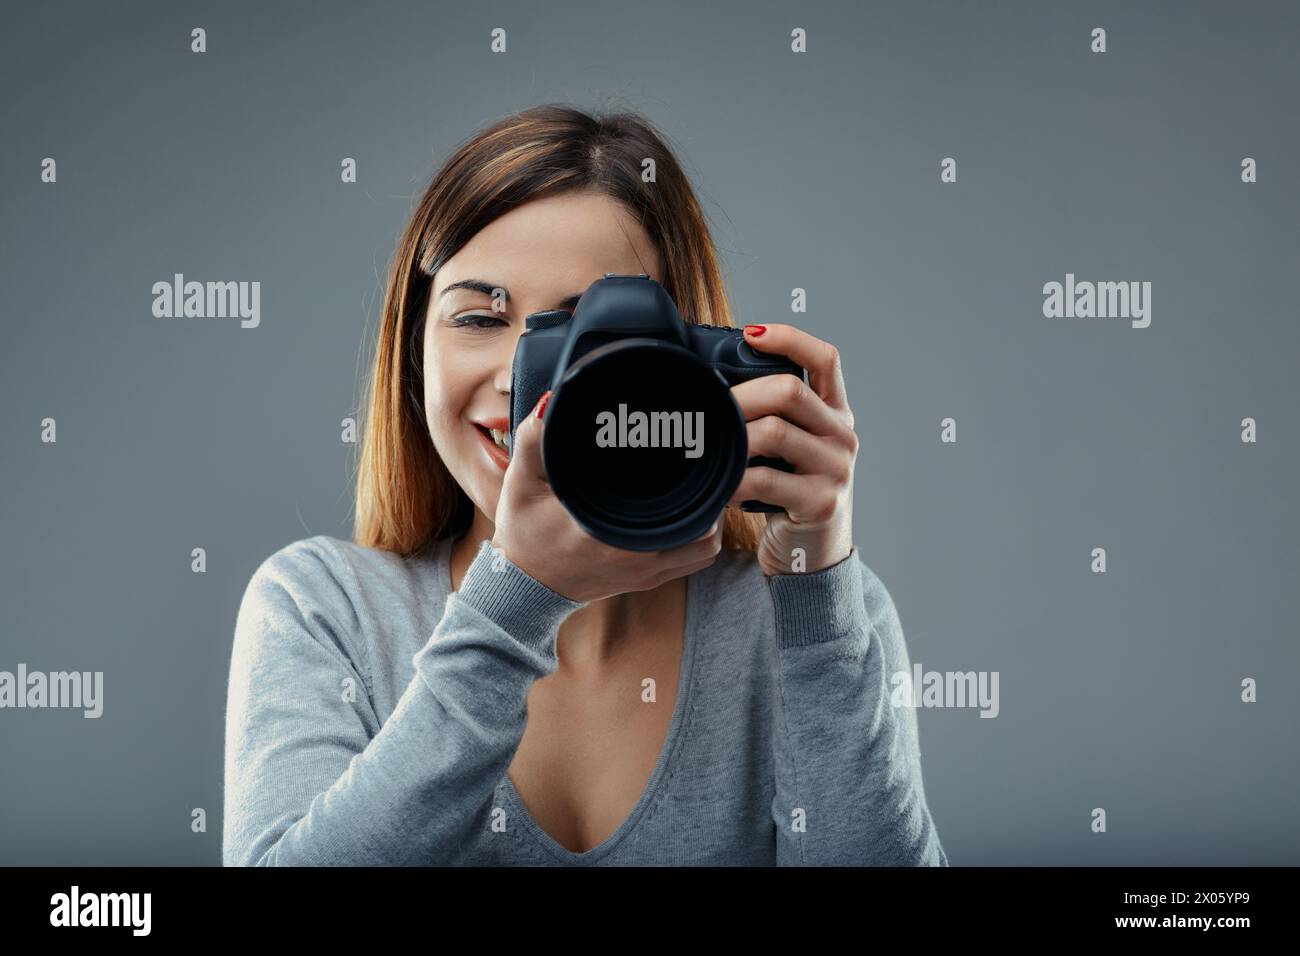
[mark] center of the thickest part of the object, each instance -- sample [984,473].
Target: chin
[484,495]
[480,481]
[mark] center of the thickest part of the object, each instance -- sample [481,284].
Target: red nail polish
[541,406]
[756,330]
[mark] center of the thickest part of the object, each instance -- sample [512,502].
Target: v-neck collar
[516,809]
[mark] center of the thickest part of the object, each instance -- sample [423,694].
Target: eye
[478,321]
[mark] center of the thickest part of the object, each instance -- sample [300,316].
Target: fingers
[703,549]
[774,437]
[526,447]
[681,570]
[713,530]
[821,359]
[788,396]
[807,499]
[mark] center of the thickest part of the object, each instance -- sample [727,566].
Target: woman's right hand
[537,533]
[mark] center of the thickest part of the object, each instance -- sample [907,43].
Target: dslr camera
[644,443]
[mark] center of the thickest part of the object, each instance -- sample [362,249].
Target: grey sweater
[373,712]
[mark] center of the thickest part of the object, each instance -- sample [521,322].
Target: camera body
[625,345]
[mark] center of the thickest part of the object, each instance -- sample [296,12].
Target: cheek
[446,386]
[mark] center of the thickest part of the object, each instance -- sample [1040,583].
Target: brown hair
[406,498]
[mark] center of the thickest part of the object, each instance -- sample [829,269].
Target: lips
[497,454]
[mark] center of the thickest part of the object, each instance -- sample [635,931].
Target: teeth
[498,437]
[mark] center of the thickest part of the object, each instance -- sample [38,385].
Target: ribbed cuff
[821,606]
[511,598]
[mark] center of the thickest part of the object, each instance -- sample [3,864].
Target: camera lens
[644,444]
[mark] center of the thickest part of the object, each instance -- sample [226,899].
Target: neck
[597,633]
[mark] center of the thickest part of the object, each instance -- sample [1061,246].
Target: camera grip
[753,504]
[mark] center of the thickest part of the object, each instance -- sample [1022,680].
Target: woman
[477,680]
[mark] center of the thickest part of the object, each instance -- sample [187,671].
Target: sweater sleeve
[312,779]
[844,756]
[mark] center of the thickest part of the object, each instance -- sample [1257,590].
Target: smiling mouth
[496,437]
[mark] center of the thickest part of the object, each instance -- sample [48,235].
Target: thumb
[526,448]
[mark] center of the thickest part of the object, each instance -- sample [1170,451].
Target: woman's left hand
[811,427]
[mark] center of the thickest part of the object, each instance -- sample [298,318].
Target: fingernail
[541,405]
[756,330]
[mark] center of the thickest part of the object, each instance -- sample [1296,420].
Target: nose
[501,377]
[505,359]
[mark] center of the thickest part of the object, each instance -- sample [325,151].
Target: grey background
[820,171]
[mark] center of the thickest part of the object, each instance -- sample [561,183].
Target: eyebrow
[488,288]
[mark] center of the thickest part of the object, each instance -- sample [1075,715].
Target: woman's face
[539,256]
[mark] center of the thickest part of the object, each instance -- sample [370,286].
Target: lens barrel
[644,444]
